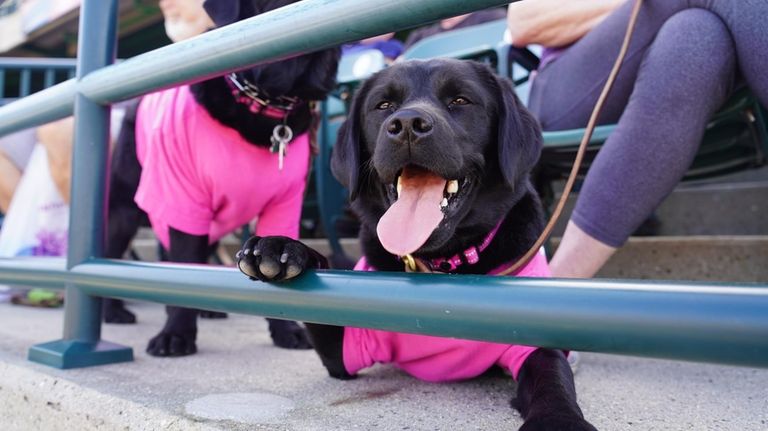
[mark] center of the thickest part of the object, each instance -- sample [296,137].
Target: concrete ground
[238,381]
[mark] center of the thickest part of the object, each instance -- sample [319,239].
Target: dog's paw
[557,423]
[115,312]
[172,344]
[208,314]
[277,258]
[288,334]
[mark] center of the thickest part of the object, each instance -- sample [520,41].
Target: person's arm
[555,23]
[57,138]
[9,179]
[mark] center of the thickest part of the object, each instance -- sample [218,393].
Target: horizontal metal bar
[572,138]
[48,105]
[293,30]
[691,321]
[50,272]
[289,31]
[36,63]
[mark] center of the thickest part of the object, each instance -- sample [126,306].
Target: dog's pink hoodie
[203,178]
[436,359]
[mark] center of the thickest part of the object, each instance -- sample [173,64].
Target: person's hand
[184,19]
[554,23]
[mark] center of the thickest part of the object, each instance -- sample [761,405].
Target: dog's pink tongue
[409,222]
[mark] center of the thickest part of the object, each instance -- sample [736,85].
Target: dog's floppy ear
[225,12]
[345,161]
[519,135]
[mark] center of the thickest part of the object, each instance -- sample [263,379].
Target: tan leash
[413,264]
[582,146]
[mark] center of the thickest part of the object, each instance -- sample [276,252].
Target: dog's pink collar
[470,255]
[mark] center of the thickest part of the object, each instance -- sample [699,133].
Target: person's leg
[579,255]
[745,21]
[565,90]
[685,75]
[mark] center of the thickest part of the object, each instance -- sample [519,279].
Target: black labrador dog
[437,156]
[284,87]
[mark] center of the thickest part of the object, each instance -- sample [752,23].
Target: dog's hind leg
[288,334]
[124,221]
[125,216]
[179,334]
[546,394]
[210,314]
[329,343]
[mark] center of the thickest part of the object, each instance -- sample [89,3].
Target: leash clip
[410,263]
[413,264]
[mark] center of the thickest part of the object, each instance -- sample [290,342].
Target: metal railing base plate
[65,354]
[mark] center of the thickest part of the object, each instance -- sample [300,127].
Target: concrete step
[739,208]
[702,258]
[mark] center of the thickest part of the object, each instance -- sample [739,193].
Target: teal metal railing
[692,321]
[20,77]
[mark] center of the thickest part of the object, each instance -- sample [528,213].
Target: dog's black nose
[409,122]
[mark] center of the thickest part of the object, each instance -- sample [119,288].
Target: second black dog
[264,105]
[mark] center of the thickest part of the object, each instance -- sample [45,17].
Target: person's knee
[702,41]
[691,62]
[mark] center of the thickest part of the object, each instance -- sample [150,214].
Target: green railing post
[81,344]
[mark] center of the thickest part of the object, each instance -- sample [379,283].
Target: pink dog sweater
[203,178]
[436,359]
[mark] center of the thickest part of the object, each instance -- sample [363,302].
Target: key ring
[281,132]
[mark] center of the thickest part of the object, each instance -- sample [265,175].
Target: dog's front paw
[277,258]
[171,343]
[288,334]
[557,423]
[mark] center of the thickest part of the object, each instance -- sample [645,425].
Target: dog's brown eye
[384,105]
[459,101]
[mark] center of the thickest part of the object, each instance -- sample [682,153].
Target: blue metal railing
[30,74]
[693,321]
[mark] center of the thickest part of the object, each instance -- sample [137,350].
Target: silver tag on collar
[281,136]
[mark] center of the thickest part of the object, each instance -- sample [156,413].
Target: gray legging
[681,66]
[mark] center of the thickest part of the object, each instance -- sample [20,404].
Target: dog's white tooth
[399,187]
[444,203]
[453,186]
